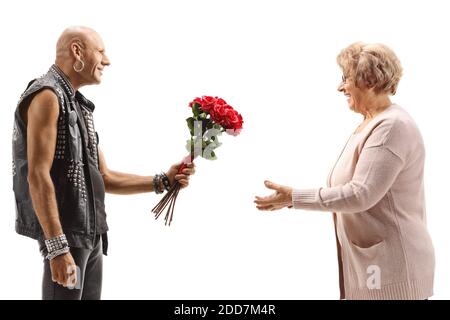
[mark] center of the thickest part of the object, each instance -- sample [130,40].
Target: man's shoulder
[46,86]
[46,97]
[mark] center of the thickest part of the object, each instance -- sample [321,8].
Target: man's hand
[183,177]
[281,198]
[64,270]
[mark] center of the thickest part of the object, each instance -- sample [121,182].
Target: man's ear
[77,48]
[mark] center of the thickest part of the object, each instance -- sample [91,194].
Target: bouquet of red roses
[210,117]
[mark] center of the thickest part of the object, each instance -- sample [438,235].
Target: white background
[274,61]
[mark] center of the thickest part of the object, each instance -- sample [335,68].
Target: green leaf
[196,109]
[207,124]
[190,123]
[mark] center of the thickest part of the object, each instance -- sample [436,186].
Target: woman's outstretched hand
[281,198]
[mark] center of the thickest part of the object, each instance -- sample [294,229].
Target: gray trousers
[89,276]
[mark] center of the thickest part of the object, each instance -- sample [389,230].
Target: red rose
[234,122]
[219,109]
[219,112]
[228,118]
[221,102]
[196,100]
[231,118]
[208,103]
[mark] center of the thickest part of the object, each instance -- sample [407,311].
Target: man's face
[95,60]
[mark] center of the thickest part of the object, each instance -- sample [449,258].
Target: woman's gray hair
[371,66]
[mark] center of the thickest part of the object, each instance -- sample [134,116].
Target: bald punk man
[60,175]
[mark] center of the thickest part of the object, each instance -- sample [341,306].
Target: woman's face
[356,97]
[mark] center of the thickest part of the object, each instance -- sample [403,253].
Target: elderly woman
[376,188]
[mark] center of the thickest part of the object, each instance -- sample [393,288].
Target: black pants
[89,276]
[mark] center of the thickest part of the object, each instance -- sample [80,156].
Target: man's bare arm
[123,183]
[42,120]
[126,183]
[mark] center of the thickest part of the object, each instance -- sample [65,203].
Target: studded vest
[79,187]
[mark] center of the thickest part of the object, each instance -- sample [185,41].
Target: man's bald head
[83,36]
[80,54]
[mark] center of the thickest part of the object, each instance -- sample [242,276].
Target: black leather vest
[74,168]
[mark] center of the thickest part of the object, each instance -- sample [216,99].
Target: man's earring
[80,68]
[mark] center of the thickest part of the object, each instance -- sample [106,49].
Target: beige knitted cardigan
[376,194]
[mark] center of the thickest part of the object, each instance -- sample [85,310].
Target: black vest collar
[63,81]
[84,101]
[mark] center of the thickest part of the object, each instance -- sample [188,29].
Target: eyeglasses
[346,80]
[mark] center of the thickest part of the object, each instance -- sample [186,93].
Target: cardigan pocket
[369,252]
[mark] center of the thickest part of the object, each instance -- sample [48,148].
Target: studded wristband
[157,184]
[165,180]
[57,253]
[57,246]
